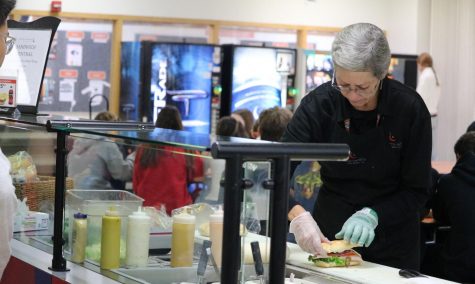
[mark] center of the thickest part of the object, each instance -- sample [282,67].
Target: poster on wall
[78,72]
[24,61]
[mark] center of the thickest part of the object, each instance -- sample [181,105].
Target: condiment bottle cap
[139,214]
[217,216]
[80,215]
[184,218]
[112,211]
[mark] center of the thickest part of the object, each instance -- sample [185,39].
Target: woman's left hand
[359,228]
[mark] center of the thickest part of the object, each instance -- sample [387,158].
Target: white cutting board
[368,272]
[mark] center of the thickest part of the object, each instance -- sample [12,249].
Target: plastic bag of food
[159,218]
[22,167]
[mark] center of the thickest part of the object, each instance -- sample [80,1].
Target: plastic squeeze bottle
[216,234]
[110,240]
[138,238]
[79,237]
[183,240]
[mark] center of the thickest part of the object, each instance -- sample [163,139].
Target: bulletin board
[78,69]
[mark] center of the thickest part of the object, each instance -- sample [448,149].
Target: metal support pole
[59,263]
[279,209]
[232,211]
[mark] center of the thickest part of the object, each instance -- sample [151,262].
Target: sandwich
[340,254]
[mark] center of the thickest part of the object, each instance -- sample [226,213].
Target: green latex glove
[359,228]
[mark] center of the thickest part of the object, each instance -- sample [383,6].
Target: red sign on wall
[96,75]
[75,36]
[68,73]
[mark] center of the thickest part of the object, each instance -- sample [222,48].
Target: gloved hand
[359,228]
[308,234]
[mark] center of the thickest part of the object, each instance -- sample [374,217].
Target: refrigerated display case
[403,67]
[36,250]
[156,74]
[257,78]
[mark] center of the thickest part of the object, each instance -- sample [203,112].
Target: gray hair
[362,47]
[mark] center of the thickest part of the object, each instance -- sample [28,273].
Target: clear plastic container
[95,203]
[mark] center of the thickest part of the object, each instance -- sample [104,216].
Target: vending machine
[403,68]
[313,69]
[257,78]
[179,74]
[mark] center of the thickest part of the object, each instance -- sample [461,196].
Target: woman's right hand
[308,234]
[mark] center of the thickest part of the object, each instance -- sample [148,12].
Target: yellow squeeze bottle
[183,240]
[110,240]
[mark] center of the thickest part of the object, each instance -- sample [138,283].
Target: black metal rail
[280,154]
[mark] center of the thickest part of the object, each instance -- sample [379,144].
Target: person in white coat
[8,201]
[428,87]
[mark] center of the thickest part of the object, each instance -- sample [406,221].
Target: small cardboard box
[33,221]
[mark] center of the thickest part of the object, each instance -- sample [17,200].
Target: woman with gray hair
[374,198]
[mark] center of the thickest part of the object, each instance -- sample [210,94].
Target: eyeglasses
[9,42]
[357,89]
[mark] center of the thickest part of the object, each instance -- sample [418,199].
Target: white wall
[398,18]
[423,26]
[401,26]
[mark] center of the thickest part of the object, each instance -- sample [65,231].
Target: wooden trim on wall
[213,36]
[302,39]
[114,96]
[125,18]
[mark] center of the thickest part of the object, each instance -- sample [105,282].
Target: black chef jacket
[388,169]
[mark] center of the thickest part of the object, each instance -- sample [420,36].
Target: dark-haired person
[273,122]
[162,173]
[248,119]
[8,201]
[471,127]
[374,198]
[230,126]
[454,206]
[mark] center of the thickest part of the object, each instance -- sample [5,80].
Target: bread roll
[337,246]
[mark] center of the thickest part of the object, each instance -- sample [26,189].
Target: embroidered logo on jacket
[393,141]
[353,159]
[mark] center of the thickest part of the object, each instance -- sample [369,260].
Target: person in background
[256,134]
[214,194]
[453,206]
[230,126]
[273,122]
[374,198]
[98,162]
[471,127]
[248,119]
[428,87]
[162,173]
[106,116]
[255,130]
[8,200]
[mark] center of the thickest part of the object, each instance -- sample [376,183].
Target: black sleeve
[441,197]
[305,124]
[434,179]
[415,171]
[299,129]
